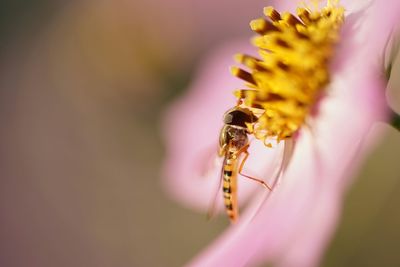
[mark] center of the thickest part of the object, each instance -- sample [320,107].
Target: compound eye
[228,118]
[239,117]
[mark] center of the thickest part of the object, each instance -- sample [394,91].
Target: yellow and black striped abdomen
[229,188]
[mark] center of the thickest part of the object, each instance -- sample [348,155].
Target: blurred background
[83,87]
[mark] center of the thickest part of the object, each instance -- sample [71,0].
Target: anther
[250,62]
[271,13]
[290,19]
[262,26]
[282,43]
[282,66]
[304,15]
[242,74]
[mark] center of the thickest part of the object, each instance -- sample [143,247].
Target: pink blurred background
[83,87]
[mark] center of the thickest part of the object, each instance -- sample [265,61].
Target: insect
[233,143]
[284,82]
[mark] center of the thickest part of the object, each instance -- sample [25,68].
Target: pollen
[292,70]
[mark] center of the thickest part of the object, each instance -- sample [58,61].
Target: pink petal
[293,227]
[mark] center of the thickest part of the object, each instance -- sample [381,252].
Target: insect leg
[247,176]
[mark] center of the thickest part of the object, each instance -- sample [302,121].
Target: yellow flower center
[292,71]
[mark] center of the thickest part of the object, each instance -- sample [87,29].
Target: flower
[294,224]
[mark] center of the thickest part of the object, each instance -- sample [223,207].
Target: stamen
[251,62]
[290,19]
[271,13]
[242,74]
[304,15]
[262,26]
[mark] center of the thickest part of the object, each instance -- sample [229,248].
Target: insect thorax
[233,136]
[234,133]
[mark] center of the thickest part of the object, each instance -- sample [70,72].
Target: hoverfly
[233,143]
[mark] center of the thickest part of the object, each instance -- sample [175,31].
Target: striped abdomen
[229,187]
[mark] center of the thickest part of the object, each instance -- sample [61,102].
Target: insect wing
[213,204]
